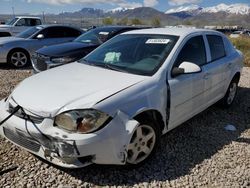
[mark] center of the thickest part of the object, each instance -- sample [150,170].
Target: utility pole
[13,11]
[44,18]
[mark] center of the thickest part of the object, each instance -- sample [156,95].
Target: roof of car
[58,25]
[170,31]
[120,27]
[28,17]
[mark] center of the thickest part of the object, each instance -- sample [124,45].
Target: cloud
[128,5]
[150,3]
[182,2]
[121,3]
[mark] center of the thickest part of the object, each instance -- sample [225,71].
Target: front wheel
[143,144]
[18,58]
[228,99]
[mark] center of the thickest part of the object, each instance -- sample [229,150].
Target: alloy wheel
[19,59]
[232,92]
[141,144]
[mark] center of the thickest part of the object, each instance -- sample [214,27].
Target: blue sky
[57,6]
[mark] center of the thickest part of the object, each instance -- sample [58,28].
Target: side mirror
[186,68]
[40,36]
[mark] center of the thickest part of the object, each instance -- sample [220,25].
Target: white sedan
[112,106]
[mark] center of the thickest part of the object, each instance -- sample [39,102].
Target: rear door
[187,90]
[68,34]
[215,69]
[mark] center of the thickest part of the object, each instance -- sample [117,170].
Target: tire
[18,58]
[228,99]
[143,144]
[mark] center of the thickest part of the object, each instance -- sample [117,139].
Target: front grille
[25,116]
[39,62]
[22,140]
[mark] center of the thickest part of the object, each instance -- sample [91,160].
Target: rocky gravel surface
[200,153]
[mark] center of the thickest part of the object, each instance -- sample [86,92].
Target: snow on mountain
[237,8]
[183,9]
[119,9]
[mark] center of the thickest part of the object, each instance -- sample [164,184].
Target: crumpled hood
[49,92]
[4,40]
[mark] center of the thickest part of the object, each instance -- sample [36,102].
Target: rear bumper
[70,150]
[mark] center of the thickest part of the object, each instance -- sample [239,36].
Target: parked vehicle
[52,56]
[113,106]
[18,50]
[237,34]
[18,24]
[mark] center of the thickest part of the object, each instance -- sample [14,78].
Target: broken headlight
[81,121]
[63,60]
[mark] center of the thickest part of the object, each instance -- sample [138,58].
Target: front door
[187,90]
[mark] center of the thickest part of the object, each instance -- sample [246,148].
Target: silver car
[18,50]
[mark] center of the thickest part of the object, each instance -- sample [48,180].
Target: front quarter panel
[151,94]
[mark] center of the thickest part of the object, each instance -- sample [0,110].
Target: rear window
[216,46]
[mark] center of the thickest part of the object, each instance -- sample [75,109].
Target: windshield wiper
[92,64]
[104,65]
[114,67]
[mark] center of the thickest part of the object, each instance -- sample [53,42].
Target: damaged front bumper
[70,150]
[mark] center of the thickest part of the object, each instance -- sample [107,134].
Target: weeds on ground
[242,43]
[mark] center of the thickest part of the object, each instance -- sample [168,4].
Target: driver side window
[21,22]
[193,51]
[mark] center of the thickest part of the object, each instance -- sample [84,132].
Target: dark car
[52,56]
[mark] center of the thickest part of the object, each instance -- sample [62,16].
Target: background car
[18,24]
[18,50]
[237,34]
[56,55]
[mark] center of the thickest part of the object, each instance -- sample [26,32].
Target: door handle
[206,76]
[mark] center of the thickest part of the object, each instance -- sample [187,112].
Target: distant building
[226,27]
[181,26]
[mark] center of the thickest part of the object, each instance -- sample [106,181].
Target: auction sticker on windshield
[157,41]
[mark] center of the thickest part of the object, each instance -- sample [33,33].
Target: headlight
[63,60]
[82,121]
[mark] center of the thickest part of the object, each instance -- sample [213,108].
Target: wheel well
[237,77]
[152,115]
[18,49]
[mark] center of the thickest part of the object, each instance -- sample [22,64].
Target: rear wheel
[228,99]
[143,144]
[18,58]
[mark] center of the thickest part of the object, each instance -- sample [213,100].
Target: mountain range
[221,14]
[193,10]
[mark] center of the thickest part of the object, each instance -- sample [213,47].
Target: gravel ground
[200,153]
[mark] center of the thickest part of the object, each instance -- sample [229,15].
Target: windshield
[94,36]
[11,22]
[133,53]
[28,32]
